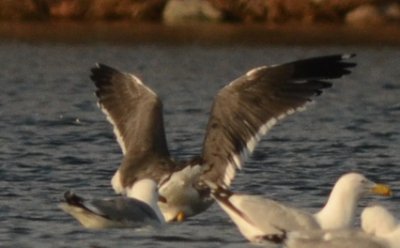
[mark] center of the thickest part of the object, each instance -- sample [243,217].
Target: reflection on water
[54,138]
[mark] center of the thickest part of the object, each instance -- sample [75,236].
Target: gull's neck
[340,209]
[145,190]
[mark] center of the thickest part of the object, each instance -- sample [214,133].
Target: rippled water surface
[54,138]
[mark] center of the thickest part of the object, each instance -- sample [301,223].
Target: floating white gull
[137,210]
[379,230]
[343,238]
[242,112]
[256,216]
[379,222]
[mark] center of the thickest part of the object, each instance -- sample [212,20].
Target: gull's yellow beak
[180,216]
[381,189]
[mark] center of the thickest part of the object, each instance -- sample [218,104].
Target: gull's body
[379,222]
[138,210]
[379,230]
[256,216]
[343,238]
[242,112]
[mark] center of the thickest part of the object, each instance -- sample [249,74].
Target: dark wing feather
[120,209]
[135,112]
[124,209]
[248,107]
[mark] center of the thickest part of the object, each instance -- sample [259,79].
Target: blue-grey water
[54,138]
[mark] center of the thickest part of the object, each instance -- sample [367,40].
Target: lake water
[54,138]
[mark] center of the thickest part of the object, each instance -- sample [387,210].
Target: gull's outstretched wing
[133,109]
[249,106]
[135,112]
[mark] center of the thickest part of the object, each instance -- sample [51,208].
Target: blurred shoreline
[211,22]
[127,32]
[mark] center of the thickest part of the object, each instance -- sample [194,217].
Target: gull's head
[340,209]
[377,220]
[144,189]
[360,185]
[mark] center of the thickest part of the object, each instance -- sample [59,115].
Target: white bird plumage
[256,216]
[379,229]
[379,222]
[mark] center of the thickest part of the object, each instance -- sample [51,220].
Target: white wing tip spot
[255,70]
[136,79]
[348,55]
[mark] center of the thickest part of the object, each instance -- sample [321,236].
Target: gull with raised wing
[243,111]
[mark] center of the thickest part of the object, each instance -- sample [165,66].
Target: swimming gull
[256,216]
[343,238]
[378,221]
[380,229]
[243,111]
[139,209]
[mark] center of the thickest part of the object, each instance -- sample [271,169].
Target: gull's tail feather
[274,238]
[73,199]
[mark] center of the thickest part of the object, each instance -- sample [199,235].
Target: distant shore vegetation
[269,12]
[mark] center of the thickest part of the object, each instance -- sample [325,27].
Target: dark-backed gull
[243,111]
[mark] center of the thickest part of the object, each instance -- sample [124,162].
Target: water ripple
[54,137]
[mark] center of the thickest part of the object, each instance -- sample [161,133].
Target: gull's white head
[378,221]
[146,190]
[340,209]
[358,185]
